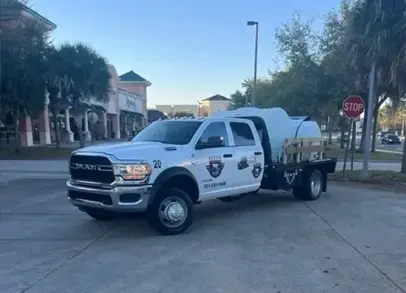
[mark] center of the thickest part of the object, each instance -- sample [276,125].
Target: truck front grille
[91,168]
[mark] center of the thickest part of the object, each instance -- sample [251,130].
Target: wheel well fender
[178,177]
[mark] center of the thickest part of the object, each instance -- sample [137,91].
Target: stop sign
[353,106]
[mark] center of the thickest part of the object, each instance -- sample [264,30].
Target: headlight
[132,171]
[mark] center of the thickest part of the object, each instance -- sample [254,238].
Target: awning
[132,114]
[97,108]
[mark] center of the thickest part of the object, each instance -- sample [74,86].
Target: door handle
[258,153]
[227,155]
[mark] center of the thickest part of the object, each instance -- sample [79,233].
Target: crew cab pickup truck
[174,164]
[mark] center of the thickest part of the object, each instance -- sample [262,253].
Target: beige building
[213,104]
[203,108]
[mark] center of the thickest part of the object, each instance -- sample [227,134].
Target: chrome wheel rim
[173,212]
[315,184]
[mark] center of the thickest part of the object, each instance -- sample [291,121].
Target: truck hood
[130,150]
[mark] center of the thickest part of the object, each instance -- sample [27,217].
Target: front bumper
[115,199]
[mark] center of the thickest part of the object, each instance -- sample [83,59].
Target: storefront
[132,119]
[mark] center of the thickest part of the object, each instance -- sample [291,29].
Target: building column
[25,127]
[133,124]
[105,133]
[86,133]
[44,129]
[69,133]
[116,126]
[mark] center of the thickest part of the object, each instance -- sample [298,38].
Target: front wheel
[171,212]
[311,188]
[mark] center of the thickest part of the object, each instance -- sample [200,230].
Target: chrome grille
[91,168]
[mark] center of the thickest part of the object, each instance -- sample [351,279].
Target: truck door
[249,157]
[214,166]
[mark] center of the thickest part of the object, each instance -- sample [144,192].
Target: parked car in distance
[390,139]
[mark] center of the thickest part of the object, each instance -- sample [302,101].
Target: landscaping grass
[336,152]
[392,180]
[35,153]
[374,176]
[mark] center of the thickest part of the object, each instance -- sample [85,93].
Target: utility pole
[254,90]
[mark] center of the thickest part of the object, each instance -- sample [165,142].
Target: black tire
[307,191]
[99,215]
[159,219]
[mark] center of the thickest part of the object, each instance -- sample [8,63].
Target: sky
[188,49]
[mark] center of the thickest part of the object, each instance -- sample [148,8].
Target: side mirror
[212,142]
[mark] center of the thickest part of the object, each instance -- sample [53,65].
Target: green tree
[83,75]
[238,100]
[56,81]
[378,30]
[23,46]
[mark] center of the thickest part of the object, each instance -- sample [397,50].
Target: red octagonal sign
[353,106]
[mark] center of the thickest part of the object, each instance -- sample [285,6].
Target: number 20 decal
[157,164]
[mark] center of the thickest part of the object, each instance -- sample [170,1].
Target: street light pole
[254,90]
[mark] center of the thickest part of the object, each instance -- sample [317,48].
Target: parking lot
[351,240]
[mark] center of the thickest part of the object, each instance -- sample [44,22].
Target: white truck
[174,164]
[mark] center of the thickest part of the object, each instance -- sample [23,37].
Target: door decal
[290,176]
[243,163]
[215,166]
[256,170]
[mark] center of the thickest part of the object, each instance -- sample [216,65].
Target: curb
[371,161]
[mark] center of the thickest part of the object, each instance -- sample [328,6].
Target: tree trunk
[17,134]
[374,126]
[57,128]
[342,132]
[330,130]
[81,137]
[403,168]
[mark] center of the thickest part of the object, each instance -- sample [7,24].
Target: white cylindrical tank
[305,129]
[279,125]
[277,121]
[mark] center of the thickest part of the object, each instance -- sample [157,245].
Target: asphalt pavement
[351,240]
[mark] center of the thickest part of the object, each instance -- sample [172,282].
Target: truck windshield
[170,132]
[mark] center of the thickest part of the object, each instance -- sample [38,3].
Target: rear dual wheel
[312,186]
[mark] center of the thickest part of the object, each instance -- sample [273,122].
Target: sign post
[353,107]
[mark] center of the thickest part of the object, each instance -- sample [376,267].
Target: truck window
[170,132]
[215,129]
[242,134]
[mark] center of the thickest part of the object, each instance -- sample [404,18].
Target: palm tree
[56,81]
[86,76]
